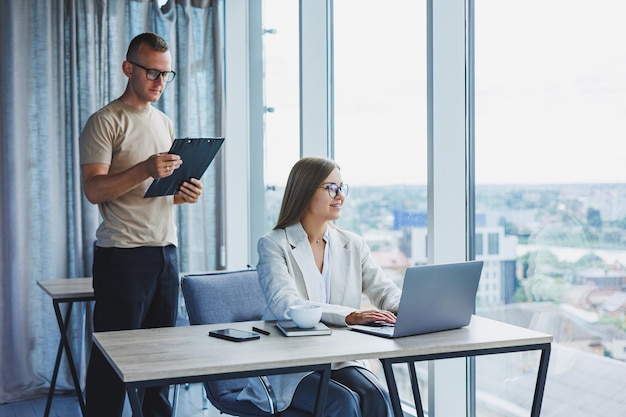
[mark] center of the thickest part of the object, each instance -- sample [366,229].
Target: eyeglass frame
[342,188]
[154,71]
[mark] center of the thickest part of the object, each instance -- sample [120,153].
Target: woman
[307,259]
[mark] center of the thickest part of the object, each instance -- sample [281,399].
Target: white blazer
[288,276]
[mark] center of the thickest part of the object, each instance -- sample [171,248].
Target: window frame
[450,143]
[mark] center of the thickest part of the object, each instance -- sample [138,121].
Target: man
[123,147]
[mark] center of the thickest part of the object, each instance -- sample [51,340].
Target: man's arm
[100,186]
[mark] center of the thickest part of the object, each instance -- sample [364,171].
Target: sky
[550,91]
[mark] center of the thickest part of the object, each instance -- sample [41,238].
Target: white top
[325,276]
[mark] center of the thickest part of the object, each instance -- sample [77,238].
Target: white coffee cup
[304,315]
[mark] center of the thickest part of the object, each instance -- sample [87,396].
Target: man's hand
[162,165]
[189,192]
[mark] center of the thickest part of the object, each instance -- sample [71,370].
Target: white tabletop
[188,351]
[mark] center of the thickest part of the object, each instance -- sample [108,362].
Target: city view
[548,100]
[561,244]
[555,261]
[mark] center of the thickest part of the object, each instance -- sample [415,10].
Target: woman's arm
[275,279]
[382,291]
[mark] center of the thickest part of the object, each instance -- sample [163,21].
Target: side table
[66,290]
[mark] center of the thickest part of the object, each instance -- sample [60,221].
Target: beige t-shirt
[122,136]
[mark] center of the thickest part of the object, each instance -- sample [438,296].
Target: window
[379,53]
[282,85]
[493,244]
[550,94]
[479,244]
[379,108]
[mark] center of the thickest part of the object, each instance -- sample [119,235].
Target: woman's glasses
[152,74]
[334,189]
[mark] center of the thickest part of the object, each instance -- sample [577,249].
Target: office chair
[224,297]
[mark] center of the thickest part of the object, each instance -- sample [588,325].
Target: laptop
[434,298]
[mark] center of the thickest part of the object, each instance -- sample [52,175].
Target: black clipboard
[197,154]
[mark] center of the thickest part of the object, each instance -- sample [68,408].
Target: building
[498,282]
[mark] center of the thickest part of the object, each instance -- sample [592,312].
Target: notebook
[434,298]
[289,328]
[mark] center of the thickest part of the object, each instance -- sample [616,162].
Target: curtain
[61,61]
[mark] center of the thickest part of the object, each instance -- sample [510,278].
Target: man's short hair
[154,41]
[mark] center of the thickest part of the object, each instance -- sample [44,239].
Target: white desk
[186,354]
[66,290]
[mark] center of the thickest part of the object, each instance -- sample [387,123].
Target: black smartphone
[234,335]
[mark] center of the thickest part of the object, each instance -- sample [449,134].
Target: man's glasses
[152,74]
[334,189]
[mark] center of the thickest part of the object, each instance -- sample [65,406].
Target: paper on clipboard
[197,154]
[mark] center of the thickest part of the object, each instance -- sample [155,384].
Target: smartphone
[234,335]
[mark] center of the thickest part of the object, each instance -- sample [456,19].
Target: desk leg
[57,363]
[322,391]
[133,399]
[68,353]
[542,374]
[417,398]
[393,388]
[64,344]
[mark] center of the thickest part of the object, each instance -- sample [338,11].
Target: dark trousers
[352,392]
[134,288]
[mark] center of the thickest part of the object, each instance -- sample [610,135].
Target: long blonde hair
[306,175]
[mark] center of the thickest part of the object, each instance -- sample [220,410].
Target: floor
[191,403]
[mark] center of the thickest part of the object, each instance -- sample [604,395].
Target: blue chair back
[225,297]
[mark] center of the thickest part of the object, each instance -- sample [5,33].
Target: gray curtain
[61,61]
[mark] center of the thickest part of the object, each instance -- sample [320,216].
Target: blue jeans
[134,288]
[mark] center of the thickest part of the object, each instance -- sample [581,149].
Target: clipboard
[197,154]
